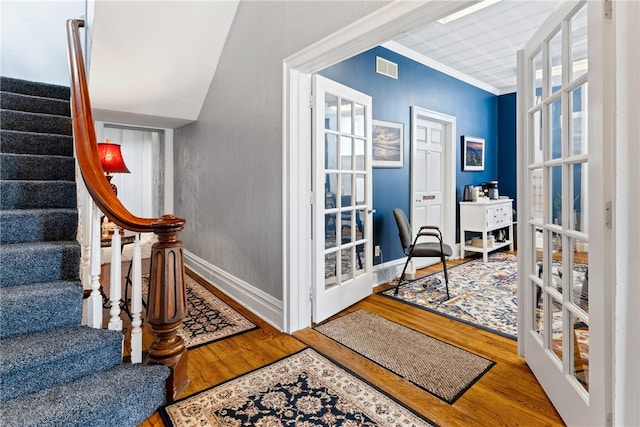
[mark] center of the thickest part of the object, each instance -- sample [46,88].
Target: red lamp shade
[111,158]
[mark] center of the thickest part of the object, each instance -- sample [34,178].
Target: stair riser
[25,264]
[8,84]
[37,195]
[38,123]
[30,167]
[18,142]
[38,225]
[34,104]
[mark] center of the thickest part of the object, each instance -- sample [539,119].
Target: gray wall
[228,164]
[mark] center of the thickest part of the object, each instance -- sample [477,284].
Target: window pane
[537,201]
[347,264]
[578,123]
[345,153]
[345,116]
[538,310]
[536,65]
[359,117]
[331,151]
[538,251]
[536,140]
[555,130]
[359,154]
[555,65]
[330,112]
[580,346]
[580,274]
[556,195]
[360,189]
[330,270]
[579,44]
[579,177]
[557,345]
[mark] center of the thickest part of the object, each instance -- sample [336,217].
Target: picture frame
[473,150]
[387,141]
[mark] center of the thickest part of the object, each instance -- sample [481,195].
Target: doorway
[433,174]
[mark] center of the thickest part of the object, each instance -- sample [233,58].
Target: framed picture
[473,152]
[388,144]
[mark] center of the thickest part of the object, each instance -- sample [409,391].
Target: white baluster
[94,302]
[115,291]
[136,303]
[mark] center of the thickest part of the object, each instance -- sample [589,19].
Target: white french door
[565,249]
[341,197]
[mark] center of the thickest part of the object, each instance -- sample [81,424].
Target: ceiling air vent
[387,68]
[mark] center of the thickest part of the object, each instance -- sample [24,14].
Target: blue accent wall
[507,155]
[476,112]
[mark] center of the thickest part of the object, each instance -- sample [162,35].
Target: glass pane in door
[579,44]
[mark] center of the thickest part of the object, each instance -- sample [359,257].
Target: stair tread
[27,87]
[34,103]
[123,395]
[25,142]
[35,122]
[46,345]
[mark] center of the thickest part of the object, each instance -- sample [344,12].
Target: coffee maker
[490,189]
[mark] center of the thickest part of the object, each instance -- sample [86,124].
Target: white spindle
[94,302]
[136,303]
[115,291]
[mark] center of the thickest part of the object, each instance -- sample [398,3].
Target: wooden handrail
[167,294]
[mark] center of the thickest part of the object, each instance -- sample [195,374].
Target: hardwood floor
[507,395]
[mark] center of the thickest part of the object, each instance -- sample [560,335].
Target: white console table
[485,216]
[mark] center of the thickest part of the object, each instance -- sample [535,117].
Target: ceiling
[139,48]
[481,45]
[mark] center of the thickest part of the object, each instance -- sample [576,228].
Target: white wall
[34,41]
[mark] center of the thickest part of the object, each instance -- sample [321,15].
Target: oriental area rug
[442,369]
[482,294]
[208,317]
[304,389]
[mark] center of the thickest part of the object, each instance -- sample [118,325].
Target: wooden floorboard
[507,395]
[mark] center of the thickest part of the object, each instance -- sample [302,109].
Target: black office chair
[421,250]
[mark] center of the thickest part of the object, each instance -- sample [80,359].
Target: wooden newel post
[168,304]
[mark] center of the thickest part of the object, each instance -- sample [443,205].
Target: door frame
[372,30]
[449,196]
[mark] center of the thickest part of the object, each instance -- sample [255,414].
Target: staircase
[53,371]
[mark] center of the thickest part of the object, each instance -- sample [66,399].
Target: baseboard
[258,302]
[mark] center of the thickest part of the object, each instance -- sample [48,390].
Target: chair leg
[402,275]
[446,275]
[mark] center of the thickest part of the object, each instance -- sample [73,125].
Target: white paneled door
[341,197]
[566,245]
[432,174]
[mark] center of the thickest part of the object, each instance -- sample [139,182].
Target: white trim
[439,66]
[375,28]
[257,301]
[627,210]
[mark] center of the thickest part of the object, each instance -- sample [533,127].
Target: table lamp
[111,161]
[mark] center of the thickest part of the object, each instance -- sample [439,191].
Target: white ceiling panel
[482,45]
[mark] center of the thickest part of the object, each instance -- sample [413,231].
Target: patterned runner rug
[482,294]
[208,317]
[441,369]
[304,389]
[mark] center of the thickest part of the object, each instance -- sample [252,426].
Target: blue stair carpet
[53,371]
